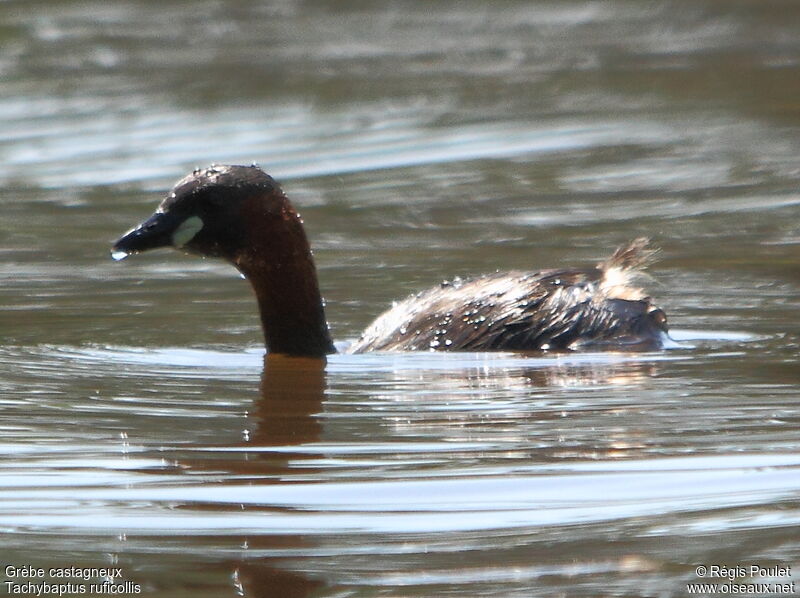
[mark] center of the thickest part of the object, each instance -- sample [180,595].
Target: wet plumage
[239,213]
[518,311]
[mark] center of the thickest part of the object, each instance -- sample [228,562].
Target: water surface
[141,425]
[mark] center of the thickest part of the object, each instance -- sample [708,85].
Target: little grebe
[240,213]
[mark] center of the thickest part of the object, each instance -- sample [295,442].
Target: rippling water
[142,427]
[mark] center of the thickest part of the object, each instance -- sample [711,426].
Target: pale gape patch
[186,231]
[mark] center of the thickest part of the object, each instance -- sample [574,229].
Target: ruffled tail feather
[623,272]
[636,255]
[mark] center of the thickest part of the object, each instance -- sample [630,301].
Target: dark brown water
[141,427]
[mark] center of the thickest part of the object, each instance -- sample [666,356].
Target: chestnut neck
[278,263]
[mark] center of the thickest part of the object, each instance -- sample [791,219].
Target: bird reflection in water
[608,369]
[288,414]
[292,389]
[285,415]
